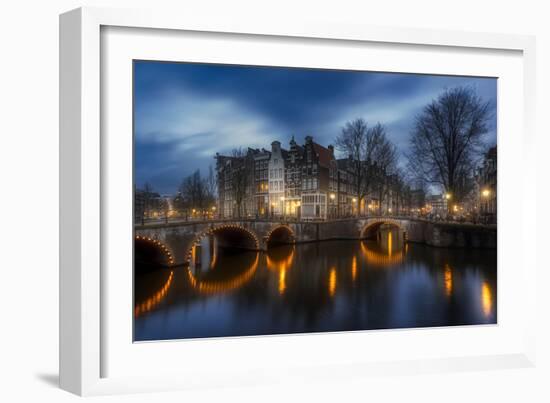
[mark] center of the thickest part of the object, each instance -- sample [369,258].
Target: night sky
[185,113]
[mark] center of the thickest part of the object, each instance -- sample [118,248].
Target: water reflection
[225,279]
[332,282]
[328,286]
[155,299]
[448,278]
[280,259]
[486,299]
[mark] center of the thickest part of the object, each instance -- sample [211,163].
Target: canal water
[382,283]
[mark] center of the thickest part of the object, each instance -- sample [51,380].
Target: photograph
[276,200]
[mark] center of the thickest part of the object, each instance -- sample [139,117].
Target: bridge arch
[370,229]
[280,235]
[380,258]
[233,235]
[150,252]
[155,299]
[215,286]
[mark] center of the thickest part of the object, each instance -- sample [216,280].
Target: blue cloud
[185,113]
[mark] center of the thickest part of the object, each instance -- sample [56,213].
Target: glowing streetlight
[485,192]
[332,196]
[448,196]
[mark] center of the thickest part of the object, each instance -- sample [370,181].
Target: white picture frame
[84,302]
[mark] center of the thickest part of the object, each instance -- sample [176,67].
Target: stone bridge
[176,240]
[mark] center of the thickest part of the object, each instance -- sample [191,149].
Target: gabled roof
[323,154]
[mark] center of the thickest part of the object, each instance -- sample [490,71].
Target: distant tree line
[196,193]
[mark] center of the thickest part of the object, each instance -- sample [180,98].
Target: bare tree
[446,139]
[369,150]
[239,177]
[196,192]
[383,165]
[211,185]
[147,199]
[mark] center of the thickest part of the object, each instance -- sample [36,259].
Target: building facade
[276,175]
[304,182]
[261,183]
[486,181]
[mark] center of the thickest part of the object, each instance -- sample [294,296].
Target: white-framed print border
[83,155]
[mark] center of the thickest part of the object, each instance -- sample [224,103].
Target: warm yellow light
[455,208]
[448,278]
[282,198]
[213,208]
[390,244]
[447,196]
[354,200]
[332,196]
[332,282]
[282,281]
[485,192]
[486,299]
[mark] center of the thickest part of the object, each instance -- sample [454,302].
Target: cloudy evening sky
[185,113]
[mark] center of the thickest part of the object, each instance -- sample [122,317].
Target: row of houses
[486,182]
[304,181]
[480,204]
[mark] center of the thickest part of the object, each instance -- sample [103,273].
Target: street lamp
[485,192]
[448,196]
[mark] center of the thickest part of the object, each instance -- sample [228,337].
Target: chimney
[331,149]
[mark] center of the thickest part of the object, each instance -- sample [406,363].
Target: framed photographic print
[243,198]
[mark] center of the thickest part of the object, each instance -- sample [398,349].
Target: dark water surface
[326,286]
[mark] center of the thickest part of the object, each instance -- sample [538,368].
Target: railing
[174,221]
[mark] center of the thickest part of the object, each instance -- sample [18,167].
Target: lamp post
[332,197]
[448,197]
[485,193]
